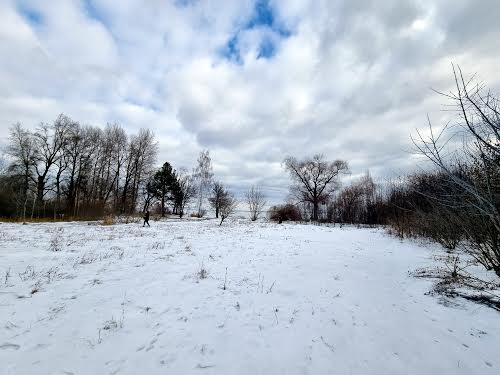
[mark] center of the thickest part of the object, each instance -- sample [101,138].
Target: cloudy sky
[252,81]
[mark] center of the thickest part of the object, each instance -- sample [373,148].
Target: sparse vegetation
[202,272]
[56,241]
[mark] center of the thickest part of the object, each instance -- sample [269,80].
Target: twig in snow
[329,346]
[271,287]
[7,275]
[225,280]
[260,284]
[122,319]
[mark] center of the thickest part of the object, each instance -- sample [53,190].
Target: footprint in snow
[152,344]
[9,346]
[200,366]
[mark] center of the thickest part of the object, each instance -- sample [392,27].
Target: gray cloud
[350,79]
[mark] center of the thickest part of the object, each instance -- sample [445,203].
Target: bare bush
[28,273]
[415,211]
[56,240]
[202,272]
[453,280]
[228,206]
[284,212]
[472,170]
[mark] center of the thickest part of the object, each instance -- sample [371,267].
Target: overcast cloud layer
[251,81]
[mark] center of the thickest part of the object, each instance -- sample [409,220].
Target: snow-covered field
[299,299]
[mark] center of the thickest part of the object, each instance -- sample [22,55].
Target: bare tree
[138,164]
[49,141]
[21,149]
[148,193]
[228,205]
[315,179]
[77,153]
[203,174]
[185,191]
[218,193]
[256,202]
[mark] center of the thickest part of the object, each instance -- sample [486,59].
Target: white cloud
[352,79]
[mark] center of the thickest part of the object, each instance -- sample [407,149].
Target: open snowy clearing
[299,299]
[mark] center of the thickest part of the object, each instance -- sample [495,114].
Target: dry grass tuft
[108,220]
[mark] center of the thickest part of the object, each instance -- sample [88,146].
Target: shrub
[284,212]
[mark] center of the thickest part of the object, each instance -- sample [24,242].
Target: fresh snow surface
[300,299]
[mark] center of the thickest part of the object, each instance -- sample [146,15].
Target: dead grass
[108,220]
[452,280]
[202,272]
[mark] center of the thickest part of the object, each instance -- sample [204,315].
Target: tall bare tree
[256,201]
[21,149]
[203,174]
[49,140]
[314,179]
[142,151]
[185,191]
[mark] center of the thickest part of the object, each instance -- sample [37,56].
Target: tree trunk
[315,211]
[201,200]
[163,205]
[40,187]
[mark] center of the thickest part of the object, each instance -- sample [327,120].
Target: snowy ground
[300,299]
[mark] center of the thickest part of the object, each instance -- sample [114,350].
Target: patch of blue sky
[34,17]
[263,16]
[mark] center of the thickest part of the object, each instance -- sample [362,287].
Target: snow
[299,299]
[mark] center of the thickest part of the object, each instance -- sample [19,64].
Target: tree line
[65,170]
